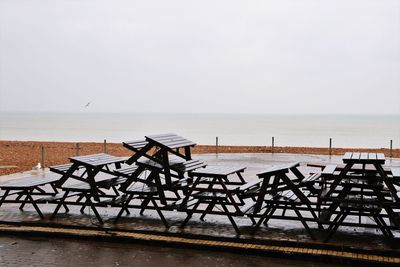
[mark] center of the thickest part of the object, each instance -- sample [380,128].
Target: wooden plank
[364,156]
[347,155]
[356,156]
[278,169]
[136,145]
[380,156]
[213,171]
[396,172]
[171,141]
[30,181]
[372,156]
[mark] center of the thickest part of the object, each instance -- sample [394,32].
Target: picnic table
[27,188]
[163,145]
[168,155]
[91,166]
[363,188]
[158,172]
[281,189]
[212,191]
[84,178]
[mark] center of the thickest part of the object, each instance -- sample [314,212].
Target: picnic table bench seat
[61,169]
[395,172]
[142,190]
[126,171]
[177,164]
[210,196]
[396,175]
[278,169]
[249,186]
[135,145]
[56,197]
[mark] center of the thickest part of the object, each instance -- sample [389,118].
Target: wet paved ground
[22,251]
[217,226]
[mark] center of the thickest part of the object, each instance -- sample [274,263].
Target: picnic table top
[30,181]
[96,160]
[217,171]
[169,141]
[278,169]
[363,158]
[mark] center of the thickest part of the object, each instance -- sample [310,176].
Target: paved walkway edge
[323,254]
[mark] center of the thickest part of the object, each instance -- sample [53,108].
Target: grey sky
[279,56]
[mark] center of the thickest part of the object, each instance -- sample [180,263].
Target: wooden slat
[396,172]
[278,169]
[329,170]
[97,159]
[30,181]
[372,156]
[364,156]
[347,155]
[356,155]
[380,156]
[171,141]
[138,144]
[213,171]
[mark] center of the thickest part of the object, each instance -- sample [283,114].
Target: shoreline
[19,156]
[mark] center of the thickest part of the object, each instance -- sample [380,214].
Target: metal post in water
[105,146]
[42,156]
[273,144]
[77,149]
[330,146]
[391,148]
[216,145]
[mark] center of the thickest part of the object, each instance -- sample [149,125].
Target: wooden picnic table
[162,145]
[26,188]
[211,188]
[91,165]
[363,187]
[278,190]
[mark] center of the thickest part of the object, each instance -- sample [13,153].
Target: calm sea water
[297,130]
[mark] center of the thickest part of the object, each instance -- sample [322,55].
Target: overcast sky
[278,56]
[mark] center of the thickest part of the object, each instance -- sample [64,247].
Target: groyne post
[330,146]
[42,156]
[105,146]
[77,148]
[391,149]
[273,144]
[216,145]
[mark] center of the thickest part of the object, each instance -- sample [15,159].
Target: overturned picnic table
[163,145]
[158,172]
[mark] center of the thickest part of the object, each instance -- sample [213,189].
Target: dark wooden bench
[135,145]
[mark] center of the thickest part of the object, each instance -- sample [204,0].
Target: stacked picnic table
[162,176]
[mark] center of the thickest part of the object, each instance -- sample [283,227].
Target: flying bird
[87,105]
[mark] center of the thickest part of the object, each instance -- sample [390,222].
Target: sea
[348,131]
